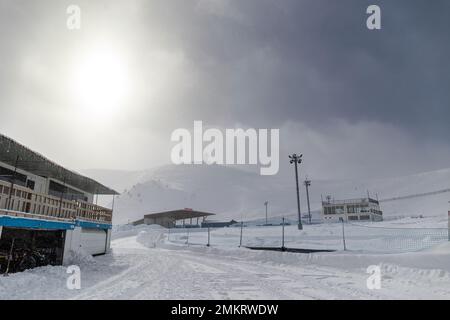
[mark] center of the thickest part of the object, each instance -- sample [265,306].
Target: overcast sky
[357,103]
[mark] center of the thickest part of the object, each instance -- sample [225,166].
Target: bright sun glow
[100,83]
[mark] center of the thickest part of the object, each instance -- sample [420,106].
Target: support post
[62,196]
[13,180]
[209,238]
[343,233]
[266,203]
[240,240]
[187,239]
[9,257]
[307,185]
[282,237]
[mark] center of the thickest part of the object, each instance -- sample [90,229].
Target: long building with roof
[46,210]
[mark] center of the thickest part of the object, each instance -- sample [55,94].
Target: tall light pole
[295,159]
[266,203]
[307,185]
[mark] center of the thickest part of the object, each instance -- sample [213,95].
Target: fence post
[187,239]
[240,240]
[282,237]
[208,237]
[168,236]
[343,233]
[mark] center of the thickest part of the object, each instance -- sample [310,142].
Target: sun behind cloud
[100,82]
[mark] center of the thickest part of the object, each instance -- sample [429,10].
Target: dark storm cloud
[309,67]
[316,60]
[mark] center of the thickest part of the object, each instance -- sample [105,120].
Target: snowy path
[134,271]
[168,274]
[183,274]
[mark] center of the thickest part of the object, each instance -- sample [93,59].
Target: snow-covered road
[134,271]
[183,274]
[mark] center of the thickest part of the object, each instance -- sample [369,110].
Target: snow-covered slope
[119,180]
[233,193]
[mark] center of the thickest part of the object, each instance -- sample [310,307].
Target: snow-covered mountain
[238,194]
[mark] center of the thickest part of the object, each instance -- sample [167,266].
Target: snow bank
[79,257]
[124,231]
[151,237]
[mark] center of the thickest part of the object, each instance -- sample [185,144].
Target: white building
[47,210]
[362,209]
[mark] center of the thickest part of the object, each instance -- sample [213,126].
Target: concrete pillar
[108,241]
[71,243]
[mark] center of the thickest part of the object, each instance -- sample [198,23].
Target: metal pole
[208,238]
[13,180]
[62,196]
[448,226]
[9,257]
[300,227]
[343,233]
[307,184]
[187,239]
[240,241]
[282,237]
[266,203]
[112,207]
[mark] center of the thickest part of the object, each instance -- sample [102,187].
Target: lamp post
[296,159]
[307,185]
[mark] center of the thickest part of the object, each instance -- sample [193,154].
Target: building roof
[137,222]
[179,214]
[349,201]
[12,153]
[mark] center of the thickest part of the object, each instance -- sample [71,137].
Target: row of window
[351,209]
[354,218]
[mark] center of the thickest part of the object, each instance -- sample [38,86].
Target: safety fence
[336,236]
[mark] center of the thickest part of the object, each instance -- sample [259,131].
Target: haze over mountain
[233,193]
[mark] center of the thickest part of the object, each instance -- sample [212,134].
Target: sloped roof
[179,214]
[14,153]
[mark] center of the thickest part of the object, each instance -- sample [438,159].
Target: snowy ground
[145,265]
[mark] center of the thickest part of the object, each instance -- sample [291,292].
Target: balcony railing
[26,201]
[349,201]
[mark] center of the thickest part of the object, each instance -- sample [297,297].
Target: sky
[357,103]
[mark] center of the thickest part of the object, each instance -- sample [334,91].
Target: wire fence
[336,236]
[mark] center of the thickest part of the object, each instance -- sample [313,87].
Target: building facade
[362,209]
[47,211]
